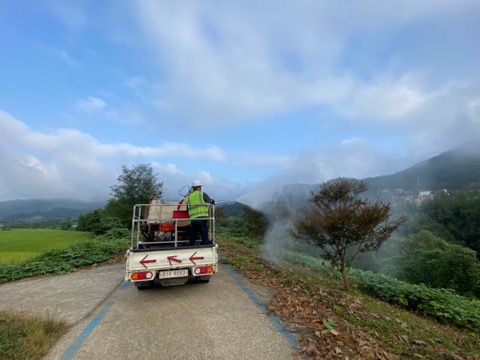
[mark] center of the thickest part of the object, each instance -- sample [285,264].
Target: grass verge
[26,338]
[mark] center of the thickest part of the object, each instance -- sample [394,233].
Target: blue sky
[238,94]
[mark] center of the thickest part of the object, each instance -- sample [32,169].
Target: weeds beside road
[27,338]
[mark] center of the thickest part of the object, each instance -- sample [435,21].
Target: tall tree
[255,222]
[428,259]
[135,186]
[454,217]
[342,224]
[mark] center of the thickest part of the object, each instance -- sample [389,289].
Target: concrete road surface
[111,319]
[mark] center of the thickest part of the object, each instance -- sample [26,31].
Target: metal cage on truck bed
[165,224]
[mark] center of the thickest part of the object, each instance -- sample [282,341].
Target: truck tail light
[203,270]
[142,275]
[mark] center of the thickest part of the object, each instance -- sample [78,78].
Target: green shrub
[116,233]
[430,260]
[250,242]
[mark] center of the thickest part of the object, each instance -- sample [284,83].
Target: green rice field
[21,244]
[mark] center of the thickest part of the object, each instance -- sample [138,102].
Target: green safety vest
[199,208]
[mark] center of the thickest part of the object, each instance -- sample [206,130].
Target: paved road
[111,319]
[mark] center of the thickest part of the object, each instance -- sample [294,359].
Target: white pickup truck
[159,250]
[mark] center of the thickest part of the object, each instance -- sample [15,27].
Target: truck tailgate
[171,259]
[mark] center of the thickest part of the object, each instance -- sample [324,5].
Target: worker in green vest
[197,204]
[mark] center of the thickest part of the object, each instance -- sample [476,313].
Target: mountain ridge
[455,169]
[11,210]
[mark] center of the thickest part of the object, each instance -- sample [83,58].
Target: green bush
[97,222]
[443,305]
[116,233]
[430,260]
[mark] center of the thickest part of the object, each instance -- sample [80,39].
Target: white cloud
[385,100]
[165,150]
[58,54]
[351,158]
[264,160]
[248,66]
[69,163]
[71,15]
[91,104]
[447,119]
[63,55]
[31,163]
[10,127]
[473,110]
[38,165]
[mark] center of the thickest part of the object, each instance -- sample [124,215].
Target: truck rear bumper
[171,266]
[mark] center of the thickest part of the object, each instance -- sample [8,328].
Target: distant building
[425,194]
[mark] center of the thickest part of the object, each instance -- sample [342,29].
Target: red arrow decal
[173,258]
[193,257]
[145,261]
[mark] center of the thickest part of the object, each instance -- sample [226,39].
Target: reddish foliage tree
[342,224]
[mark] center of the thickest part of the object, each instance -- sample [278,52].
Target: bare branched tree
[342,224]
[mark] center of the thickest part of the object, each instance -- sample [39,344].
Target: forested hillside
[44,210]
[452,170]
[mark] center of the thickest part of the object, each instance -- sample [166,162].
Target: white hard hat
[196,183]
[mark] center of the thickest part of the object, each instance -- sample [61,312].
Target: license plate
[172,273]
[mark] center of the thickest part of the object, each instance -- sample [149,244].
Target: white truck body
[159,250]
